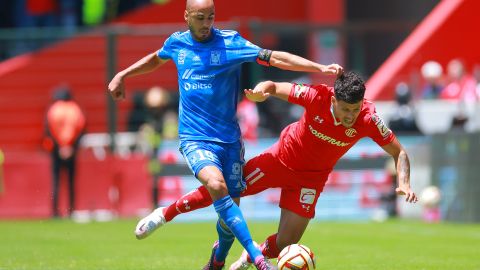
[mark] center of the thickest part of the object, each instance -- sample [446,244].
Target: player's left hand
[255,95]
[410,196]
[333,69]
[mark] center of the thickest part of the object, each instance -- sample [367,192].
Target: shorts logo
[307,195]
[351,132]
[215,58]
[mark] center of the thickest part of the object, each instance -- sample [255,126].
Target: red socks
[268,248]
[193,200]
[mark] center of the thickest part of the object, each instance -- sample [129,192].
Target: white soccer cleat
[242,263]
[150,223]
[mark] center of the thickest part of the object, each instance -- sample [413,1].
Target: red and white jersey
[317,141]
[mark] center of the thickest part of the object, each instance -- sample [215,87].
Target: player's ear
[185,15]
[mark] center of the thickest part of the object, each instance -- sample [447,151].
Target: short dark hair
[349,87]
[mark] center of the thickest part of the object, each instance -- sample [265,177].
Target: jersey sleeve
[247,51]
[166,51]
[378,130]
[303,95]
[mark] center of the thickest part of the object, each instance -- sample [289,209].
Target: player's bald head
[199,16]
[194,5]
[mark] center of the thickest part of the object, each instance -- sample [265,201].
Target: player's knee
[217,187]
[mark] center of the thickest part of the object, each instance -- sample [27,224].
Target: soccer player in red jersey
[300,162]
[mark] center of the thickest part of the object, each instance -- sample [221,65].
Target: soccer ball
[430,196]
[296,257]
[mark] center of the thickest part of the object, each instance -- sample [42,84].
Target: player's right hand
[255,95]
[117,88]
[333,69]
[410,196]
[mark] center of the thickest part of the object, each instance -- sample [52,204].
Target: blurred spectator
[65,124]
[460,119]
[476,76]
[248,119]
[159,124]
[93,12]
[138,114]
[432,74]
[388,198]
[403,120]
[127,5]
[460,85]
[69,13]
[2,185]
[42,12]
[6,14]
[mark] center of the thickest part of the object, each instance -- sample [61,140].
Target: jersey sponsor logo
[181,57]
[188,74]
[196,58]
[326,138]
[307,195]
[196,86]
[215,58]
[384,130]
[299,90]
[351,132]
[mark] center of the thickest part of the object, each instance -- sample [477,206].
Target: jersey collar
[335,122]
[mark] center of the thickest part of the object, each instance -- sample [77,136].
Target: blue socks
[226,239]
[231,214]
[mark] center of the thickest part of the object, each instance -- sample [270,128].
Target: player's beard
[197,34]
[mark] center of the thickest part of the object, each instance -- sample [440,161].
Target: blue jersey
[209,82]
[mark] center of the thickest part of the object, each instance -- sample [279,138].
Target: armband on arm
[263,57]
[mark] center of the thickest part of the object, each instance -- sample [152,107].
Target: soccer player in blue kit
[208,62]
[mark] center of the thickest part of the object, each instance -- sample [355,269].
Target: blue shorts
[227,157]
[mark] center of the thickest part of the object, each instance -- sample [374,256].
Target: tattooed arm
[402,164]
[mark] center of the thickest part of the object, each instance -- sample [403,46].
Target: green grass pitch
[62,244]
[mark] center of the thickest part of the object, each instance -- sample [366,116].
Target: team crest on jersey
[181,57]
[299,90]
[215,58]
[307,195]
[384,130]
[351,132]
